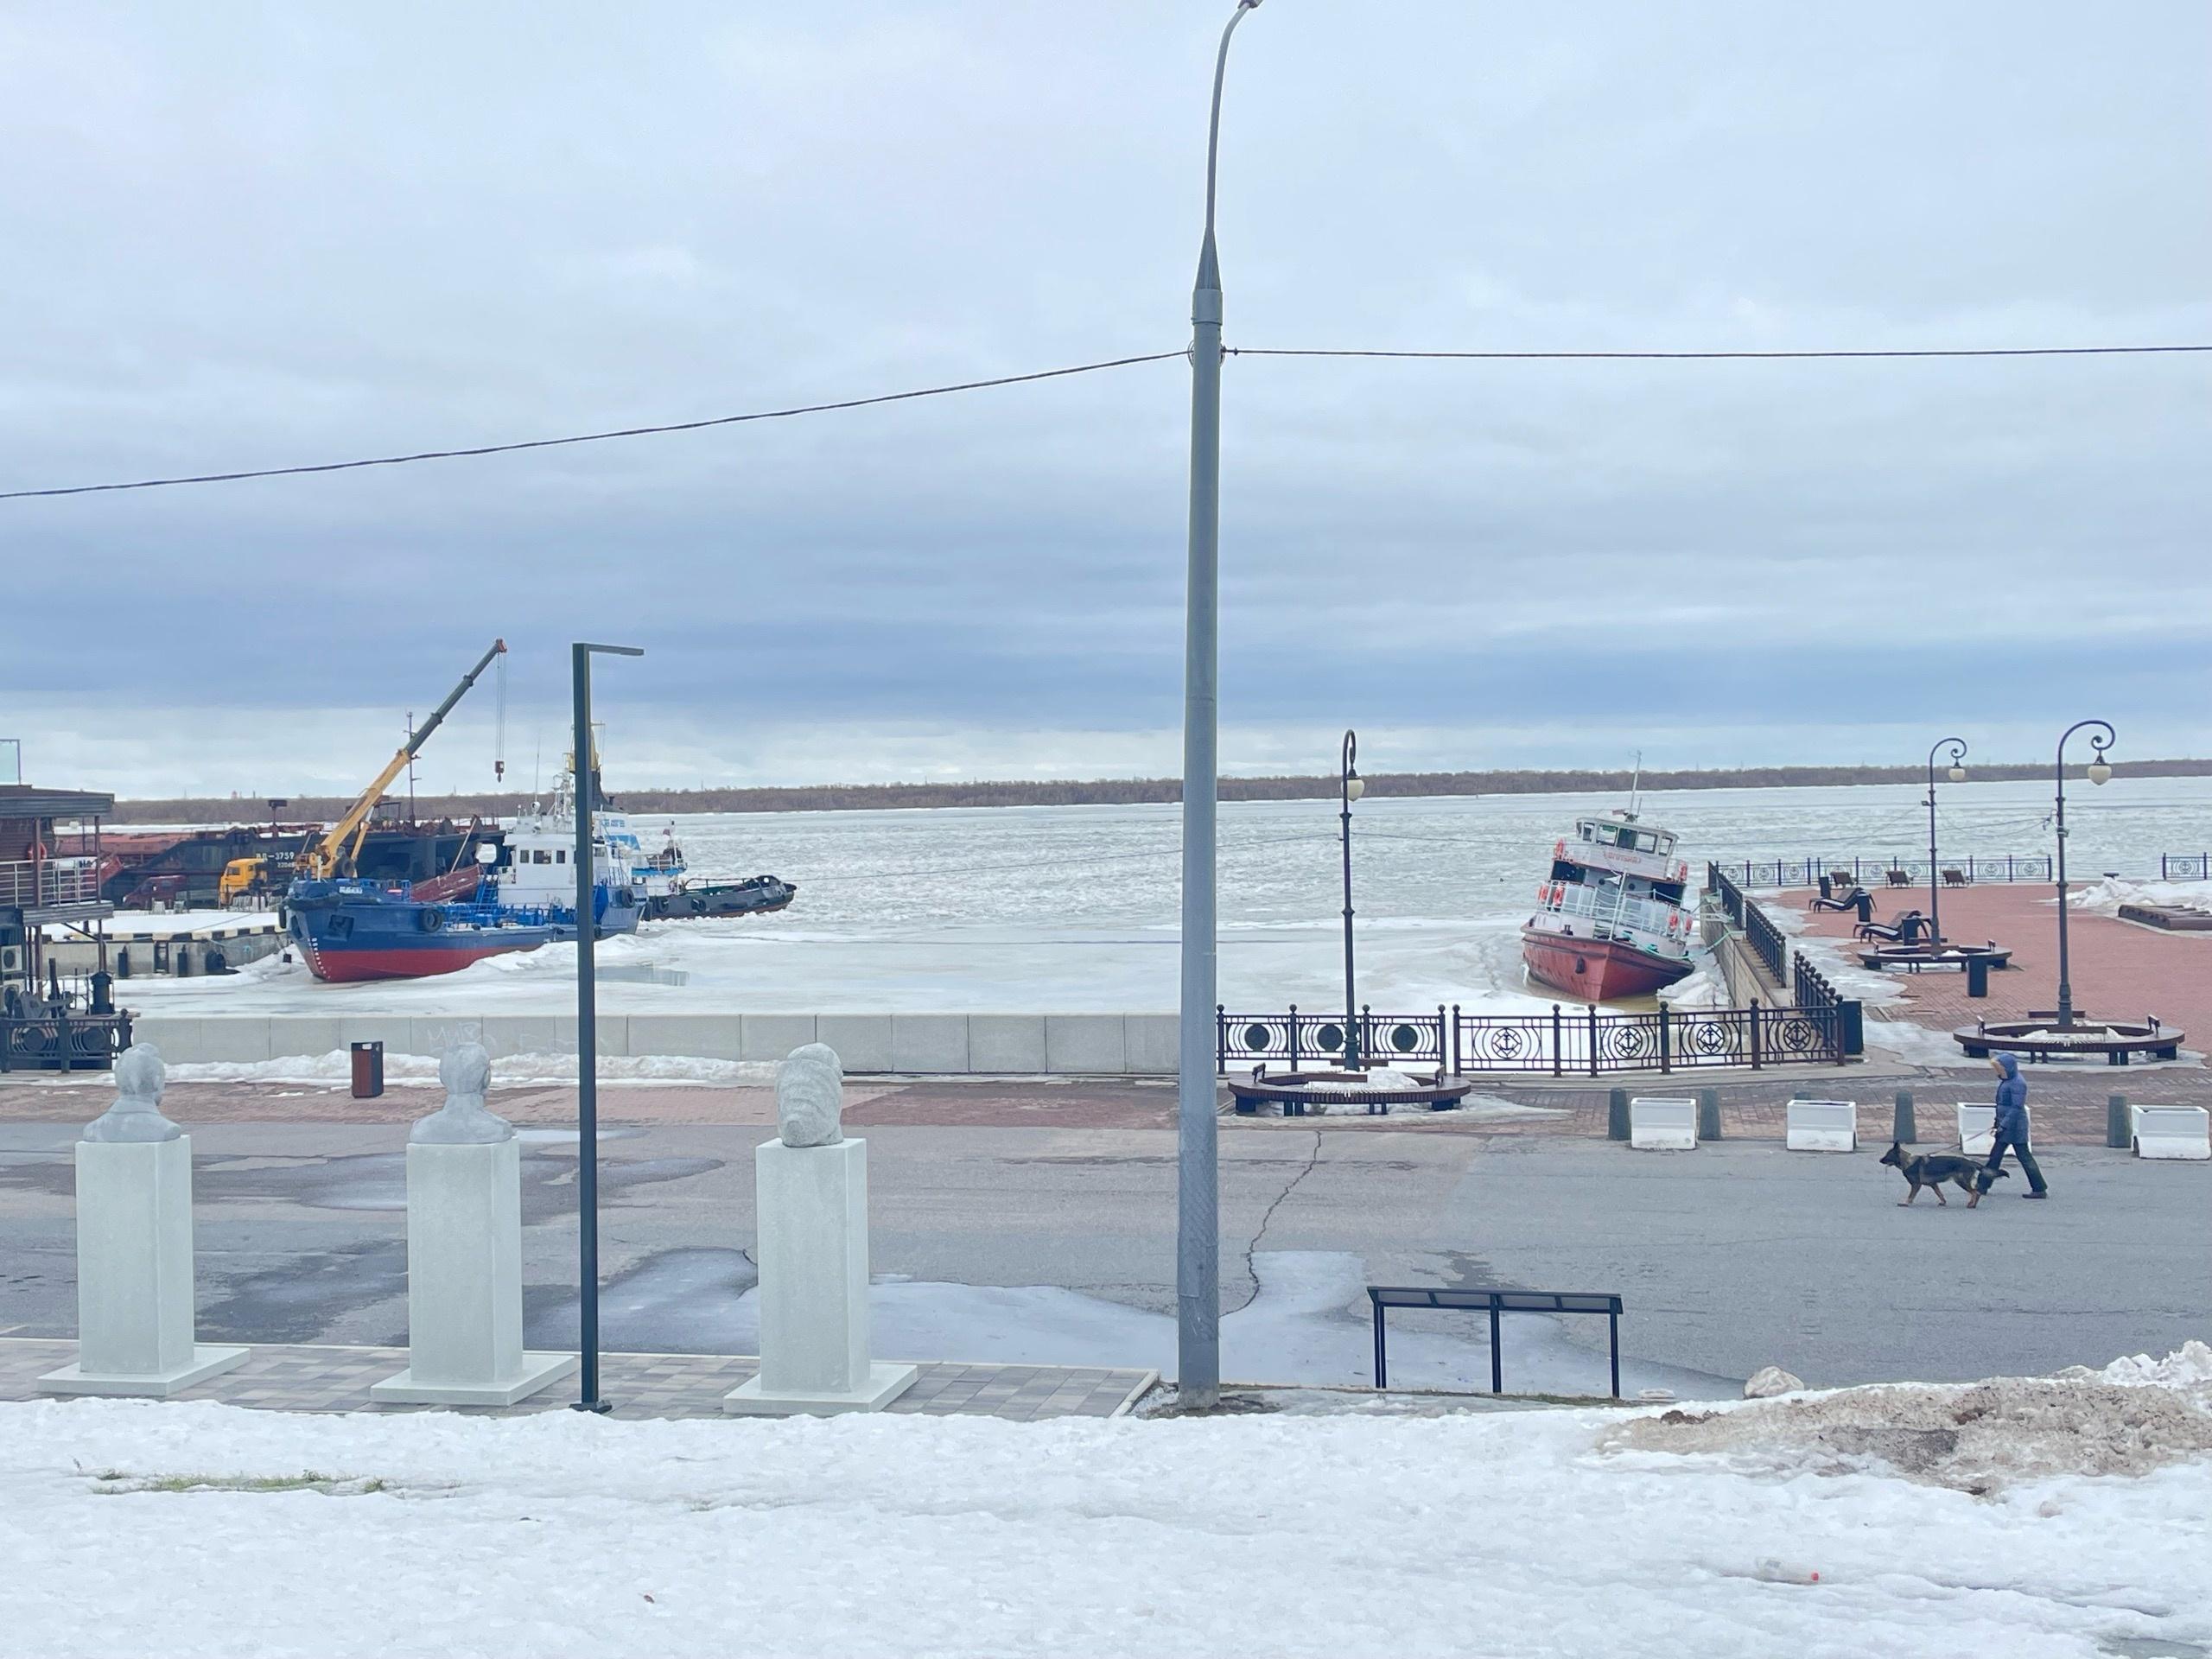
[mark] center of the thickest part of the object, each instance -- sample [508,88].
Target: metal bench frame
[1382,1298]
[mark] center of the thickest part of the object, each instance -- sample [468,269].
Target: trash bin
[1977,975]
[368,1070]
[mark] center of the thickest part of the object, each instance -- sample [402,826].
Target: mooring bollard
[1616,1115]
[1708,1114]
[2119,1126]
[1903,1128]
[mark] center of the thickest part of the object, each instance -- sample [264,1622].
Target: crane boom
[324,857]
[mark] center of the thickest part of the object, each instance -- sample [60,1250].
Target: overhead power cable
[664,429]
[590,437]
[1572,357]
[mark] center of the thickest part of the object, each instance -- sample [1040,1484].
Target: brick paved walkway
[313,1378]
[2119,970]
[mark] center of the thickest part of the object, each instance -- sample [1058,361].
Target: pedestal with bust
[464,1254]
[134,1318]
[811,1213]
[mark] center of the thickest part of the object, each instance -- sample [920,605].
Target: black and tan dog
[1934,1170]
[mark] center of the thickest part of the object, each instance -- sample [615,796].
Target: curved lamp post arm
[1209,272]
[1958,748]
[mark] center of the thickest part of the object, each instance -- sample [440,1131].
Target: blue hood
[2009,1065]
[2011,1099]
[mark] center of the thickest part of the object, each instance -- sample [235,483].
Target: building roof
[28,801]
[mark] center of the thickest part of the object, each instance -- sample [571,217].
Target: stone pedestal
[134,1274]
[812,1221]
[464,1283]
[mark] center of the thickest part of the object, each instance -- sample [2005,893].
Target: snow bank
[202,1529]
[2104,896]
[509,1069]
[2134,1418]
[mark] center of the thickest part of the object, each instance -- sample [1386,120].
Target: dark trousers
[2019,1146]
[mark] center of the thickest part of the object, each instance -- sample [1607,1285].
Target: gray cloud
[247,239]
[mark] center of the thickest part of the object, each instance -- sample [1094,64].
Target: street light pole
[1958,746]
[1353,789]
[2098,771]
[586,803]
[1198,1232]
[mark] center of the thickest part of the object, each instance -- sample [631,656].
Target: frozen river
[1070,909]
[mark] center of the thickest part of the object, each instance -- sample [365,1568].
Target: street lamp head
[1355,787]
[2098,771]
[1958,774]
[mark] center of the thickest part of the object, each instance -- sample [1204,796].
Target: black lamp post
[1353,789]
[1958,775]
[587,803]
[2099,770]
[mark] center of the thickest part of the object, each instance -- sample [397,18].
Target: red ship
[1610,921]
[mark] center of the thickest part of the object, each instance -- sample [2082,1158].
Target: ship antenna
[1635,782]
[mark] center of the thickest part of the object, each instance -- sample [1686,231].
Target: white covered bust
[465,1071]
[140,1077]
[811,1096]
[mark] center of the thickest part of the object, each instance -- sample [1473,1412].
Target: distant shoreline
[1107,791]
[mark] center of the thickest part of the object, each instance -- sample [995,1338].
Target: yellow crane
[331,855]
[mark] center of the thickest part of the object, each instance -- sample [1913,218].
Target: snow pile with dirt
[136,1527]
[508,1071]
[2134,1418]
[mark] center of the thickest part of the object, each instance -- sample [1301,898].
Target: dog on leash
[1935,1171]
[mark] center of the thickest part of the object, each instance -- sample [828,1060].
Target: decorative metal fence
[62,1042]
[1897,872]
[1579,1042]
[1843,1020]
[2185,866]
[1767,942]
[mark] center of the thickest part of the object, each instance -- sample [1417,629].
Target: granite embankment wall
[1085,1044]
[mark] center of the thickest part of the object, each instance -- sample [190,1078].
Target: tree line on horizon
[1107,791]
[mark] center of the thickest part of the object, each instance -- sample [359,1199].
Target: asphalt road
[1731,1257]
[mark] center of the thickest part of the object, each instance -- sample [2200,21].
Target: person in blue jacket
[2011,1130]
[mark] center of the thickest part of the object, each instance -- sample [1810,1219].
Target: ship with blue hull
[520,897]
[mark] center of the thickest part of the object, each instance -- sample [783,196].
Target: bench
[1661,1125]
[1978,1127]
[1822,1126]
[2181,1132]
[1382,1298]
[1954,878]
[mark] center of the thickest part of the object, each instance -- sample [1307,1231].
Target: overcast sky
[257,236]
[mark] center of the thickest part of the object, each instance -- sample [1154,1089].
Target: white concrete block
[134,1316]
[863,1040]
[182,1039]
[305,1033]
[1661,1125]
[1085,1044]
[773,1036]
[464,1283]
[810,1206]
[699,1036]
[1822,1126]
[1149,1042]
[1006,1042]
[2176,1132]
[929,1043]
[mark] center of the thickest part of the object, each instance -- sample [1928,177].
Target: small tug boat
[1610,921]
[669,895]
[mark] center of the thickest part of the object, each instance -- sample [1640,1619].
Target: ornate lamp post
[1958,775]
[1353,789]
[1197,1196]
[2099,770]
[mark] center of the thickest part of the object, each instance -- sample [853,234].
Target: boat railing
[1613,909]
[30,884]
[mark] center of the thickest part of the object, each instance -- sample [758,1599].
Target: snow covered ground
[132,1527]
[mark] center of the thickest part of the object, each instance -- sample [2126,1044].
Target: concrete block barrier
[1661,1125]
[1006,1042]
[1822,1126]
[2176,1132]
